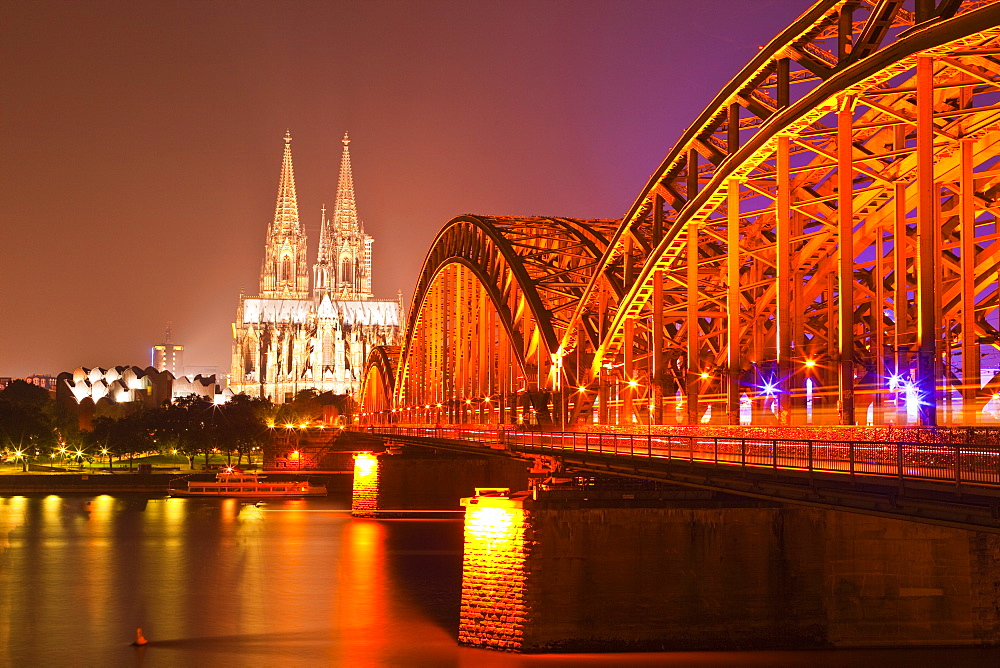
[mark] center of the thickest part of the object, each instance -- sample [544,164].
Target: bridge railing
[947,462]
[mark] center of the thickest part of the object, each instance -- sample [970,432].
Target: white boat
[235,483]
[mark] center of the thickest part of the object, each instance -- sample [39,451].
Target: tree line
[33,427]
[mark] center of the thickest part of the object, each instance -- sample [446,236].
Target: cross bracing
[820,246]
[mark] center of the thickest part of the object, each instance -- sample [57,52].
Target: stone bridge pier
[572,567]
[551,571]
[402,481]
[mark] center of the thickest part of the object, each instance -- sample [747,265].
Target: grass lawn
[169,461]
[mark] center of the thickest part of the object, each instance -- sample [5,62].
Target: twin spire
[284,274]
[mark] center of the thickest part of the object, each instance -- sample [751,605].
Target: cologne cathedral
[291,336]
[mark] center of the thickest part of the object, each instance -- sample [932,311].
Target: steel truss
[819,247]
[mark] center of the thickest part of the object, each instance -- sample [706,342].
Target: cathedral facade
[311,330]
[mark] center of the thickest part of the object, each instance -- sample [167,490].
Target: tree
[123,437]
[184,426]
[25,393]
[309,405]
[241,425]
[26,424]
[303,408]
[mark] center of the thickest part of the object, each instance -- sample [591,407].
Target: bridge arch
[482,337]
[742,280]
[379,384]
[820,247]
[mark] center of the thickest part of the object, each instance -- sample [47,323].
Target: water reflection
[220,582]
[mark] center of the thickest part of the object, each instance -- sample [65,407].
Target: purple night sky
[141,141]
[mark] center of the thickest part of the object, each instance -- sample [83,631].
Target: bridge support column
[845,262]
[928,253]
[406,481]
[734,366]
[575,575]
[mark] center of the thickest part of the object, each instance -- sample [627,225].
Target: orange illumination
[583,388]
[494,560]
[704,374]
[633,383]
[810,363]
[489,528]
[365,464]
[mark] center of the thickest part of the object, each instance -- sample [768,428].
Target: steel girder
[742,279]
[489,310]
[379,383]
[825,230]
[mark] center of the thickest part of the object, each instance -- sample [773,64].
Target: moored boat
[235,483]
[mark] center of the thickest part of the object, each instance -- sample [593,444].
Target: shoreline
[115,483]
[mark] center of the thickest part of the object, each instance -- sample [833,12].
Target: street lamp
[633,385]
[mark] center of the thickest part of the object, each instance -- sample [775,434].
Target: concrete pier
[407,481]
[575,575]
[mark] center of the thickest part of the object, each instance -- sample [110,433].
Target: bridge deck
[950,484]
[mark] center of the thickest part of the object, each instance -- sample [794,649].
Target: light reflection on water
[225,583]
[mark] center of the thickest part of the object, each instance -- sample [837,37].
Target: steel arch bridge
[820,247]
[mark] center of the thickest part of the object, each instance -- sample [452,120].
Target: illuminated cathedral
[291,336]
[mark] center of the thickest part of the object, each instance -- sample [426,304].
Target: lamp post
[633,386]
[558,389]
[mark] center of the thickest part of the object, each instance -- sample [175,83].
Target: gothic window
[286,269]
[345,271]
[248,358]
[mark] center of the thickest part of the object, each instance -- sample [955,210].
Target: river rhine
[285,583]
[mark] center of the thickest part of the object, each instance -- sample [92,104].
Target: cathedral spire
[286,210]
[284,273]
[345,212]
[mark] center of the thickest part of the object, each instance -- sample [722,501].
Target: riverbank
[124,482]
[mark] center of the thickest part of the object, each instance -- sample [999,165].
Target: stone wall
[543,576]
[495,567]
[410,480]
[365,496]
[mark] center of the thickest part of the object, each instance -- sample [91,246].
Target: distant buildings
[292,336]
[46,382]
[108,391]
[169,356]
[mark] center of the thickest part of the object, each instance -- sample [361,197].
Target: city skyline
[141,143]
